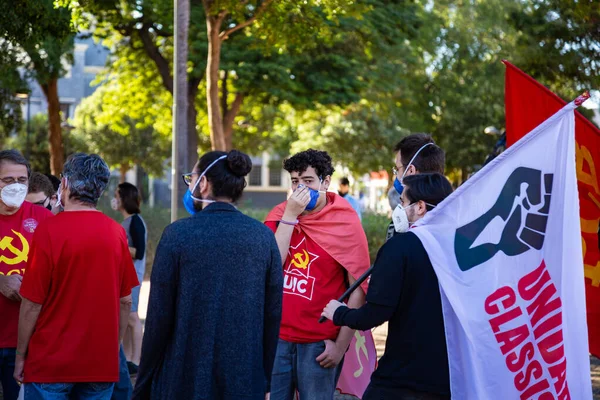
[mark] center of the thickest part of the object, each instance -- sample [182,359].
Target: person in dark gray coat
[215,295]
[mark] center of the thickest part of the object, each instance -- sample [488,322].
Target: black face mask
[41,204]
[342,194]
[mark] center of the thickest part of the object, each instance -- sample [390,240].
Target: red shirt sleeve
[38,275]
[129,278]
[272,225]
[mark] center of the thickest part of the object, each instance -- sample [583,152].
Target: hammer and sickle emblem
[360,346]
[300,262]
[19,255]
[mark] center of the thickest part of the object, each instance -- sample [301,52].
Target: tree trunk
[140,178]
[229,118]
[57,157]
[192,116]
[123,172]
[215,121]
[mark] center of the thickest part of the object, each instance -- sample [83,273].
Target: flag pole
[352,288]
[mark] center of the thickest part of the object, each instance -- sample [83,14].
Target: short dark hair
[87,176]
[14,157]
[55,181]
[228,175]
[431,158]
[319,160]
[344,181]
[130,197]
[40,183]
[431,188]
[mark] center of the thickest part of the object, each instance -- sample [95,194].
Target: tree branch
[193,86]
[161,32]
[224,94]
[233,111]
[259,11]
[154,53]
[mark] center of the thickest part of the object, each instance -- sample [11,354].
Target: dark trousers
[10,387]
[123,388]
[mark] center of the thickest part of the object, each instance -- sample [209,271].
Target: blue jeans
[296,368]
[123,388]
[68,391]
[10,387]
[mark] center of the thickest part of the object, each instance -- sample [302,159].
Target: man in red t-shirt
[18,221]
[325,248]
[76,293]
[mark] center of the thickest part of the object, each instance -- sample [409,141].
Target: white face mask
[59,194]
[14,195]
[114,203]
[400,218]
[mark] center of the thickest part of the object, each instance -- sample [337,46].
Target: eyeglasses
[42,203]
[187,178]
[9,180]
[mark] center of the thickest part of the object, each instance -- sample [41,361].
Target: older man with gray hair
[76,293]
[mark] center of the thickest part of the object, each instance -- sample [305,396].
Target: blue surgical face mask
[314,196]
[188,197]
[188,202]
[398,182]
[398,186]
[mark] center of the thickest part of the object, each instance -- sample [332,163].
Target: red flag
[528,103]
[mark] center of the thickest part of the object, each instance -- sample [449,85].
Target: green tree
[126,136]
[49,47]
[559,43]
[246,31]
[39,155]
[11,84]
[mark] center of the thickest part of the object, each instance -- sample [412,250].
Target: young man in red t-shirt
[325,248]
[76,294]
[18,221]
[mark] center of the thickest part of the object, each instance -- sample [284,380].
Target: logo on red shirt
[30,224]
[297,279]
[17,255]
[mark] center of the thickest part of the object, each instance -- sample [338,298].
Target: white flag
[506,248]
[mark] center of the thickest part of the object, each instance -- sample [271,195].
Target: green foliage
[559,44]
[157,219]
[126,124]
[375,226]
[39,156]
[11,84]
[352,77]
[32,21]
[43,32]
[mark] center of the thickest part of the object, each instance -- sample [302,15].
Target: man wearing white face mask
[18,222]
[415,154]
[404,291]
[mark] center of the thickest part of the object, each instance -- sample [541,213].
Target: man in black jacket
[404,291]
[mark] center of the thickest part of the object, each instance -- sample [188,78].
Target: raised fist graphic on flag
[523,204]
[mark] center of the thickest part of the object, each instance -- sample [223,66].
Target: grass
[157,220]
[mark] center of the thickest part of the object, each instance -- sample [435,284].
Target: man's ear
[326,182]
[421,208]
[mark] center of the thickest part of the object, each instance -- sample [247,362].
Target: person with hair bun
[215,296]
